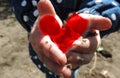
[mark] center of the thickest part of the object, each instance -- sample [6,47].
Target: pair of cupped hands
[81,51]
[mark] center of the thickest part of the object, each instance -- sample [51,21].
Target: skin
[52,56]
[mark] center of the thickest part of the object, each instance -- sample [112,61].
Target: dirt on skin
[16,63]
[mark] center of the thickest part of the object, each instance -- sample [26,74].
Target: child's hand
[47,51]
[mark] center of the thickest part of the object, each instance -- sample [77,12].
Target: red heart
[63,36]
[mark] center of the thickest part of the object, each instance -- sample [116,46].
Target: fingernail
[69,66]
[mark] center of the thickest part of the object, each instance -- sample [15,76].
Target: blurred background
[14,55]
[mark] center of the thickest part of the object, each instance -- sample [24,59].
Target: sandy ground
[15,61]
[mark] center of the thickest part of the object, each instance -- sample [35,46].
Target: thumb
[46,7]
[51,21]
[97,22]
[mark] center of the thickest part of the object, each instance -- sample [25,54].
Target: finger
[73,59]
[52,51]
[66,72]
[97,22]
[87,45]
[77,59]
[45,7]
[56,68]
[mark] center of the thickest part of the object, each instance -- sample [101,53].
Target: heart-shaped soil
[65,35]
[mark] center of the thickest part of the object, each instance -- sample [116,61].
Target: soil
[16,63]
